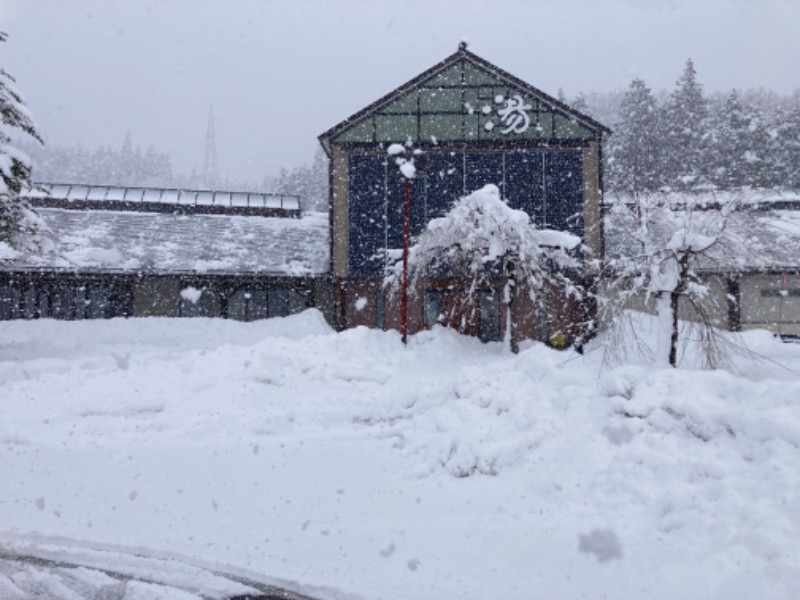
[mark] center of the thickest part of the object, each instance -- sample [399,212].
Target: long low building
[142,261]
[127,257]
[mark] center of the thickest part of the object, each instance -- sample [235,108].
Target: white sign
[514,115]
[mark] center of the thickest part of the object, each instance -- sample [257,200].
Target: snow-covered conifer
[635,147]
[20,226]
[685,131]
[787,148]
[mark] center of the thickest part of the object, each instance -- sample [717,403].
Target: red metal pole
[404,285]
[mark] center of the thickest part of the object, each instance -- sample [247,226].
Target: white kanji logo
[514,115]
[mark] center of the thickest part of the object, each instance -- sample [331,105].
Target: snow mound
[448,468]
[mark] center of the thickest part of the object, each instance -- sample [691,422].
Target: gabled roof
[477,82]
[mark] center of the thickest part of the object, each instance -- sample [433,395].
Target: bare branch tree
[666,242]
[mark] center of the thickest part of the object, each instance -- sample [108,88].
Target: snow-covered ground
[347,466]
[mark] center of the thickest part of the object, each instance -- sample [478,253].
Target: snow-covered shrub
[483,239]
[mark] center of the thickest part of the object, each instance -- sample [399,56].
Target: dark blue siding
[367,214]
[482,168]
[395,206]
[564,191]
[546,184]
[525,183]
[445,182]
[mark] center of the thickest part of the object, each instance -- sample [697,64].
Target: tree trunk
[510,298]
[665,319]
[673,342]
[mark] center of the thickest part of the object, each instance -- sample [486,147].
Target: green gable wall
[463,102]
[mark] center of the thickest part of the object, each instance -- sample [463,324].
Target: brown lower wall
[550,316]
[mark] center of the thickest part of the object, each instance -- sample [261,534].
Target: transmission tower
[210,174]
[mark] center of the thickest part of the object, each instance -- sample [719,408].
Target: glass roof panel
[170,197]
[78,192]
[187,197]
[205,198]
[134,194]
[257,200]
[291,203]
[115,193]
[152,195]
[59,191]
[97,193]
[238,199]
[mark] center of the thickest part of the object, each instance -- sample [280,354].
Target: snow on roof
[112,241]
[771,223]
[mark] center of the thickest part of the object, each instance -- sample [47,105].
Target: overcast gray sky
[280,72]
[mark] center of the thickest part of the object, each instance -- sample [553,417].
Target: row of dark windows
[244,304]
[63,300]
[71,300]
[548,185]
[792,292]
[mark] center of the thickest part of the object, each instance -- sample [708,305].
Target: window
[200,302]
[380,310]
[489,325]
[247,305]
[9,302]
[99,301]
[433,307]
[286,301]
[773,293]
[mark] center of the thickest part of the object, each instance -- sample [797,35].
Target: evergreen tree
[635,146]
[684,131]
[731,147]
[310,183]
[20,227]
[582,105]
[743,150]
[787,148]
[318,187]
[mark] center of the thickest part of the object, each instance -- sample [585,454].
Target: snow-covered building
[152,252]
[477,125]
[755,287]
[155,252]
